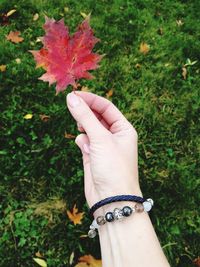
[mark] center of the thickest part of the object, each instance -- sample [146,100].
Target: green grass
[39,167]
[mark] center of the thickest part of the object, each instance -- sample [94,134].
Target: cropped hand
[108,144]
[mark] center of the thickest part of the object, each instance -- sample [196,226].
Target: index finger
[109,112]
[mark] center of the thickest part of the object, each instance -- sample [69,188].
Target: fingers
[83,143]
[99,117]
[108,111]
[83,114]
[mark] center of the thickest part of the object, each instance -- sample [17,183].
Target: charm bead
[147,206]
[117,213]
[92,233]
[92,227]
[100,220]
[151,201]
[94,223]
[127,211]
[109,217]
[139,207]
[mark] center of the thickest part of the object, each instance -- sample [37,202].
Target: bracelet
[109,200]
[118,214]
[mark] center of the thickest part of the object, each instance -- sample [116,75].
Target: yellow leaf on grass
[28,116]
[144,48]
[71,258]
[2,68]
[40,262]
[89,260]
[11,12]
[75,216]
[36,17]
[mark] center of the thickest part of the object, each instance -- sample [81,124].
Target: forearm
[131,242]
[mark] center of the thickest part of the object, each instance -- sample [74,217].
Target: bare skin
[110,159]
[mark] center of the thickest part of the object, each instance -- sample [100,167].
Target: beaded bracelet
[118,215]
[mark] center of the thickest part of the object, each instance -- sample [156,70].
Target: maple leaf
[74,216]
[66,58]
[14,37]
[89,260]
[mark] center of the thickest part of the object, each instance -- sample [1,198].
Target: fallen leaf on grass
[109,93]
[40,262]
[36,17]
[184,73]
[39,255]
[88,261]
[9,13]
[179,22]
[18,60]
[144,48]
[14,37]
[197,262]
[71,258]
[83,236]
[69,136]
[75,216]
[2,68]
[44,117]
[28,116]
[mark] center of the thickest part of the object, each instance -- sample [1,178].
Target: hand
[109,147]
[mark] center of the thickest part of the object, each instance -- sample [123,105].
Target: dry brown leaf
[44,117]
[14,37]
[83,236]
[75,216]
[69,136]
[39,255]
[109,93]
[2,68]
[184,73]
[144,48]
[197,262]
[90,261]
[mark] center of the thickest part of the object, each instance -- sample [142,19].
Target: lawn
[150,71]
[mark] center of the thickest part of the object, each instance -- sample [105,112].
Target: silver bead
[147,206]
[92,227]
[92,233]
[151,201]
[118,214]
[94,223]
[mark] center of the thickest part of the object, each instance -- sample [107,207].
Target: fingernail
[73,100]
[86,148]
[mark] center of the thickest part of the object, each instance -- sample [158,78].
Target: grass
[41,171]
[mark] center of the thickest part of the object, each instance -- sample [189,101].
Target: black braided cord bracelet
[109,200]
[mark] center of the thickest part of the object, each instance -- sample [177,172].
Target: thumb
[85,116]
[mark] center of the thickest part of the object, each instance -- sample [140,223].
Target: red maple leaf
[66,58]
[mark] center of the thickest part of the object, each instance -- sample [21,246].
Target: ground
[151,71]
